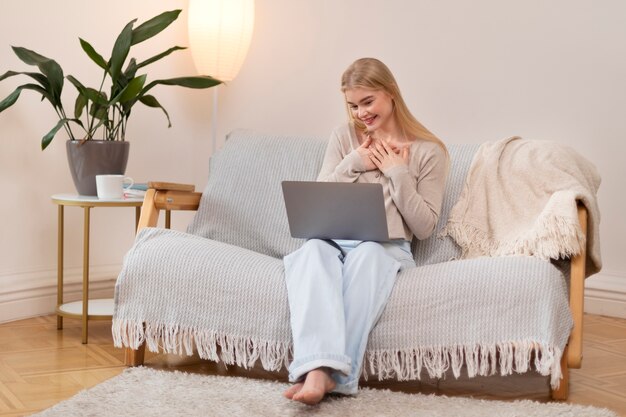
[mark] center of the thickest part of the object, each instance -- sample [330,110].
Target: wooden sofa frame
[171,196]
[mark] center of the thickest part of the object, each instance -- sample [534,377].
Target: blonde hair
[370,73]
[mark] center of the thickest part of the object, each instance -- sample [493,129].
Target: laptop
[335,210]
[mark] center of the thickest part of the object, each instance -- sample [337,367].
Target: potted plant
[97,144]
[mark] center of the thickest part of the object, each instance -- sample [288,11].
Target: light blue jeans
[335,299]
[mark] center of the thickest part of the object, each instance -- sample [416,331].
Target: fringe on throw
[404,365]
[231,350]
[480,360]
[550,238]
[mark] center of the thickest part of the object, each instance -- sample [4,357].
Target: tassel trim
[231,350]
[480,360]
[550,238]
[404,365]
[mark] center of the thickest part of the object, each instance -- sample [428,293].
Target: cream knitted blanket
[520,198]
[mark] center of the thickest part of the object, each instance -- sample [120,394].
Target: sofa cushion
[242,203]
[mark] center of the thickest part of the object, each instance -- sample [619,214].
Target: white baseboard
[33,293]
[605,294]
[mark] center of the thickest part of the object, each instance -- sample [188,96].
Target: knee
[314,248]
[369,255]
[368,268]
[315,243]
[369,250]
[315,258]
[317,246]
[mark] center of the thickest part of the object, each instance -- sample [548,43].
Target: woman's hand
[384,157]
[365,153]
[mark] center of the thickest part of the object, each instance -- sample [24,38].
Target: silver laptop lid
[335,210]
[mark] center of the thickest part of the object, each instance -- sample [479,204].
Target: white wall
[28,176]
[471,71]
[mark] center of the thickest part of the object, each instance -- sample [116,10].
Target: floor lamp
[220,32]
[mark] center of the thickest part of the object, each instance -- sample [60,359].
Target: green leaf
[79,86]
[89,94]
[9,74]
[131,90]
[99,112]
[200,81]
[45,141]
[97,97]
[37,88]
[79,106]
[48,67]
[159,56]
[101,105]
[95,57]
[78,122]
[10,99]
[55,78]
[120,51]
[154,26]
[29,57]
[40,78]
[151,101]
[131,69]
[120,85]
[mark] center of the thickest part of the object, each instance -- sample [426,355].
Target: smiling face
[373,108]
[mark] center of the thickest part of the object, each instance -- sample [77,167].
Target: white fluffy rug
[147,392]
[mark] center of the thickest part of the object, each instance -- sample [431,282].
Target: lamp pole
[214,121]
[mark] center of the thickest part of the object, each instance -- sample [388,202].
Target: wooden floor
[40,366]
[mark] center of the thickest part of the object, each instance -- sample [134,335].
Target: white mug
[111,187]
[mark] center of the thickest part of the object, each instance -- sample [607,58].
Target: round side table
[101,309]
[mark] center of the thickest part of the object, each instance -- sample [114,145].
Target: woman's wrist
[396,170]
[355,161]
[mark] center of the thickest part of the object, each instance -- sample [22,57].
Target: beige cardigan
[413,194]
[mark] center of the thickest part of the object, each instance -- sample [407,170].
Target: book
[140,186]
[136,190]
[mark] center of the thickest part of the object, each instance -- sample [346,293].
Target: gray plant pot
[95,157]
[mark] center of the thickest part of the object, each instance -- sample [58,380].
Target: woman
[337,290]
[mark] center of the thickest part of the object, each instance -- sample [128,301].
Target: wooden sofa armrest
[577,297]
[170,186]
[166,196]
[573,354]
[161,196]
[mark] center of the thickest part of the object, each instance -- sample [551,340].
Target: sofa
[218,289]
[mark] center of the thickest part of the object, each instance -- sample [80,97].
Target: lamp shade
[219,35]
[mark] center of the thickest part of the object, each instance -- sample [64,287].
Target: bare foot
[318,382]
[292,390]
